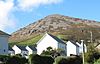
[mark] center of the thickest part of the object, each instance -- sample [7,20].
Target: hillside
[64,27]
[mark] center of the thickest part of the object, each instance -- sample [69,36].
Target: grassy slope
[66,35]
[31,41]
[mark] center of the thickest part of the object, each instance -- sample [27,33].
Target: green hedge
[16,60]
[68,60]
[37,59]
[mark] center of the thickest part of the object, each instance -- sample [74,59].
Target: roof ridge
[55,37]
[3,33]
[74,42]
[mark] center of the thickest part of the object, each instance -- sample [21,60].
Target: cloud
[5,14]
[29,4]
[7,7]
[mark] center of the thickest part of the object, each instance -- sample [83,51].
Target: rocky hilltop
[56,24]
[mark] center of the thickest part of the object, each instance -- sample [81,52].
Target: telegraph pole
[82,41]
[83,50]
[91,36]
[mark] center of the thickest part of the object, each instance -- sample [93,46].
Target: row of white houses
[48,40]
[25,51]
[70,47]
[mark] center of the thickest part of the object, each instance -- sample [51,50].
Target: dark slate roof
[54,37]
[57,39]
[3,33]
[97,45]
[32,47]
[10,48]
[22,47]
[74,43]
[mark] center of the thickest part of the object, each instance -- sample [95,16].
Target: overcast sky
[15,14]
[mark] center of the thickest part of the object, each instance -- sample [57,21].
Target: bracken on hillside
[68,27]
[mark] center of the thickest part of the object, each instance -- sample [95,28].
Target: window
[4,50]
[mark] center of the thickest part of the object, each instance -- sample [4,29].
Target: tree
[53,53]
[47,52]
[49,49]
[91,54]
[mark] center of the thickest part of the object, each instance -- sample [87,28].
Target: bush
[61,60]
[97,62]
[53,53]
[13,60]
[68,60]
[91,56]
[47,60]
[37,59]
[34,59]
[4,58]
[16,60]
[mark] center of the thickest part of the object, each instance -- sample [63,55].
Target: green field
[31,41]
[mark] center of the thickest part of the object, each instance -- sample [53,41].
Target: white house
[81,47]
[20,50]
[72,48]
[49,40]
[3,43]
[31,50]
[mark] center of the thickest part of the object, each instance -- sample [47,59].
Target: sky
[16,14]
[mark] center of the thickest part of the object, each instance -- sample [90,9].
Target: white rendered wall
[81,48]
[71,48]
[16,49]
[30,51]
[3,45]
[46,42]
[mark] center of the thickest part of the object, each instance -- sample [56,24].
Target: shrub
[61,60]
[47,60]
[34,59]
[37,59]
[68,60]
[97,62]
[13,60]
[16,60]
[91,55]
[4,58]
[53,53]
